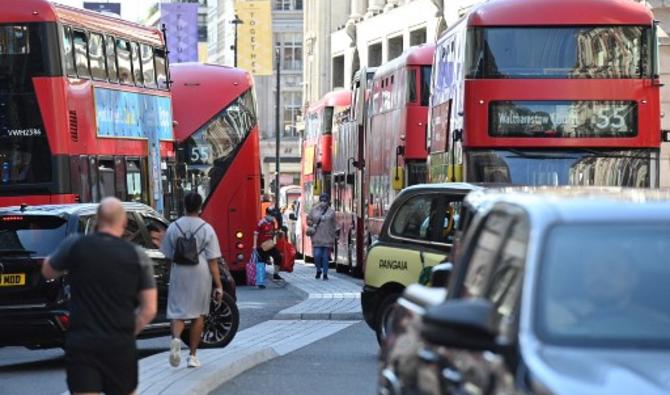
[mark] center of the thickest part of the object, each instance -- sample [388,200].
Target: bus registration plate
[12,280]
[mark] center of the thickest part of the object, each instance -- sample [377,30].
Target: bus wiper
[526,155]
[16,251]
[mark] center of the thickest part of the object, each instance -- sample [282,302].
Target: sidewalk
[339,298]
[330,307]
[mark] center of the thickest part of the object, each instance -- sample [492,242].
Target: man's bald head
[112,216]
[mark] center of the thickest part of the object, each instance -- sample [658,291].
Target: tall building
[287,35]
[343,36]
[157,17]
[321,19]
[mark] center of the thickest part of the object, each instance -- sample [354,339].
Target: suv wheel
[384,316]
[220,325]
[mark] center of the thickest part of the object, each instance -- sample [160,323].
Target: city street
[43,372]
[460,196]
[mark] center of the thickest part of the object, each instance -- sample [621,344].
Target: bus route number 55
[200,154]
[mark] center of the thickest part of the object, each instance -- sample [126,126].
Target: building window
[290,48]
[288,5]
[202,27]
[375,55]
[338,72]
[417,37]
[395,47]
[292,105]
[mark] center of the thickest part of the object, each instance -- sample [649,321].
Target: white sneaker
[193,362]
[175,352]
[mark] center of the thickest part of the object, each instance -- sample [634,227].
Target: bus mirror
[665,136]
[398,177]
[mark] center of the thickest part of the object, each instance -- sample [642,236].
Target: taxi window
[412,219]
[430,218]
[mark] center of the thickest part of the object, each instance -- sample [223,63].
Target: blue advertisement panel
[181,23]
[133,115]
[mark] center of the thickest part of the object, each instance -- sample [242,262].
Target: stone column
[358,9]
[375,7]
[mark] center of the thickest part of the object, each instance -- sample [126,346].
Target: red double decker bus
[216,127]
[393,145]
[395,141]
[85,109]
[317,156]
[547,92]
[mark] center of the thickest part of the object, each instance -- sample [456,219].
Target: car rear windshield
[34,235]
[606,285]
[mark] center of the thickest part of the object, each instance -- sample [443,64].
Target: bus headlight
[239,234]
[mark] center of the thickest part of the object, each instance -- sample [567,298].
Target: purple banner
[181,23]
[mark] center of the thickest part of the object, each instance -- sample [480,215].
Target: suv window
[506,281]
[133,231]
[156,229]
[484,254]
[39,234]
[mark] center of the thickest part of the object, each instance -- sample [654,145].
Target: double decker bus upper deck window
[161,68]
[123,61]
[81,54]
[559,52]
[26,52]
[210,150]
[110,53]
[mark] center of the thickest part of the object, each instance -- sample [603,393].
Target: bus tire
[220,325]
[384,315]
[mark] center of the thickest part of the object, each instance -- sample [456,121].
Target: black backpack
[186,248]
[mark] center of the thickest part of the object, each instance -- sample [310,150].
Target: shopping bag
[287,251]
[250,268]
[260,272]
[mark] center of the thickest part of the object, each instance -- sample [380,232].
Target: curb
[221,374]
[258,347]
[353,316]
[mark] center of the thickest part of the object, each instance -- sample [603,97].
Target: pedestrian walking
[322,230]
[264,241]
[193,247]
[109,277]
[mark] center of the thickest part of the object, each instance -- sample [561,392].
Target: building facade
[287,36]
[343,36]
[155,18]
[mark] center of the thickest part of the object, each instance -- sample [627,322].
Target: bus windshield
[211,149]
[559,52]
[629,168]
[25,156]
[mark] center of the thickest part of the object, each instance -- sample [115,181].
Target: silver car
[560,293]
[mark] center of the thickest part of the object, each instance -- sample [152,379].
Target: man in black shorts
[109,279]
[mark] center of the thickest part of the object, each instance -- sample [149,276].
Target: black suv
[34,312]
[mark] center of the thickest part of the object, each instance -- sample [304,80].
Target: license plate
[12,280]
